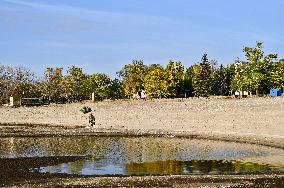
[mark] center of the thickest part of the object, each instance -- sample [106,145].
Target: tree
[132,77]
[188,85]
[257,72]
[115,89]
[229,73]
[277,75]
[170,74]
[17,81]
[175,75]
[180,78]
[155,82]
[97,84]
[218,81]
[75,79]
[201,80]
[238,82]
[51,88]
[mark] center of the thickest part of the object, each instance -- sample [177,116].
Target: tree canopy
[258,73]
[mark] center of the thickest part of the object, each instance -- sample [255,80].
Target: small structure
[143,95]
[93,97]
[31,102]
[135,96]
[15,101]
[275,92]
[242,94]
[186,93]
[140,95]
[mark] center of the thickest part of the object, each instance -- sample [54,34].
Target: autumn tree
[238,82]
[75,79]
[170,74]
[51,87]
[174,73]
[17,81]
[26,83]
[155,82]
[132,77]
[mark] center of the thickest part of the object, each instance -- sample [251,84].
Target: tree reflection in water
[194,167]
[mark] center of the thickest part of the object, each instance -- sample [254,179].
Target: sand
[253,118]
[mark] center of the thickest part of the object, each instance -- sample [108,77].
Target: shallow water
[132,156]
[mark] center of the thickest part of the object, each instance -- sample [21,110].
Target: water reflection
[158,168]
[139,156]
[195,167]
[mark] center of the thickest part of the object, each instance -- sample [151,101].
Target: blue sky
[104,35]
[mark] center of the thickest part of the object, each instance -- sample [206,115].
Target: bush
[86,109]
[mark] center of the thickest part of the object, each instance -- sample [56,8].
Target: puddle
[133,156]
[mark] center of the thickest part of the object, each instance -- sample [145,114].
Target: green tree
[188,86]
[277,75]
[97,84]
[238,82]
[201,80]
[115,90]
[229,73]
[180,79]
[218,81]
[256,77]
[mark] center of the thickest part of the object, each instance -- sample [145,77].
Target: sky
[102,36]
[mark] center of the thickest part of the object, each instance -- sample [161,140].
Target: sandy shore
[254,119]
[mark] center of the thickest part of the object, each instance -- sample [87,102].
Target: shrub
[86,109]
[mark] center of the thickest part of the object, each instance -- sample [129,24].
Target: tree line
[257,74]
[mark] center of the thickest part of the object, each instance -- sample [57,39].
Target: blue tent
[275,92]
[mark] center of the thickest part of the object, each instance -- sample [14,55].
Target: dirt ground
[252,120]
[211,181]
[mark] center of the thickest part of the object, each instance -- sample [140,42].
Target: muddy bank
[38,130]
[272,180]
[29,179]
[22,178]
